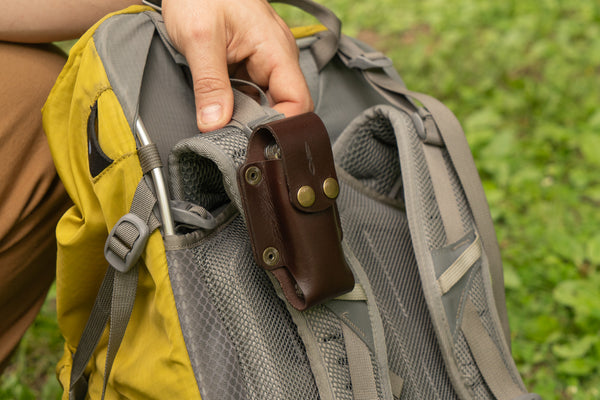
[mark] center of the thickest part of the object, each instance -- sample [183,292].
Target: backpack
[343,254]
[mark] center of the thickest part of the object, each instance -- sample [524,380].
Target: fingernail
[211,114]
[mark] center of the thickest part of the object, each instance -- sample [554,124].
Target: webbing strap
[360,366]
[114,303]
[123,298]
[90,336]
[489,360]
[462,159]
[460,267]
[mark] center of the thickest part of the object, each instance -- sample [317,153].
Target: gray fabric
[397,384]
[247,113]
[371,144]
[92,333]
[122,43]
[166,102]
[309,69]
[379,359]
[413,350]
[479,298]
[272,359]
[338,82]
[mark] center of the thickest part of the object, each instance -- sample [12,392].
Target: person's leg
[31,195]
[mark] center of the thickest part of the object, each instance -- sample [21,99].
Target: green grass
[523,78]
[31,375]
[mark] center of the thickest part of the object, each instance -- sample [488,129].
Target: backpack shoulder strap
[453,138]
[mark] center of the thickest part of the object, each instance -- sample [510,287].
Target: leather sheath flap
[289,186]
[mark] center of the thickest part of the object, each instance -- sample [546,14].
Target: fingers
[198,31]
[274,65]
[213,34]
[212,90]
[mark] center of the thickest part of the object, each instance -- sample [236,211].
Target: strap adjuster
[126,242]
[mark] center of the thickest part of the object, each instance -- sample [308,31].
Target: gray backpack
[283,267]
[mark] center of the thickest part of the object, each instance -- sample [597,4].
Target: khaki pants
[31,196]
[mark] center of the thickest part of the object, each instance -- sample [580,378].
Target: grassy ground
[523,77]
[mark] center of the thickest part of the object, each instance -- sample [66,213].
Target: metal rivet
[271,256]
[331,188]
[253,175]
[306,196]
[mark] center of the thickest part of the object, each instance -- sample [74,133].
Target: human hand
[245,37]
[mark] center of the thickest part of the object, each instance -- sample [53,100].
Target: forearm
[37,21]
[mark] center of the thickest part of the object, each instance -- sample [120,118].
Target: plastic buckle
[133,253]
[370,60]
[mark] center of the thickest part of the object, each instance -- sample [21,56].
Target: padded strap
[442,187]
[462,159]
[489,360]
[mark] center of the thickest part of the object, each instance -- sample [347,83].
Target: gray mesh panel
[413,351]
[212,354]
[371,156]
[381,240]
[271,356]
[202,182]
[198,179]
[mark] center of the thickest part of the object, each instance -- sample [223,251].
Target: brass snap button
[331,188]
[306,196]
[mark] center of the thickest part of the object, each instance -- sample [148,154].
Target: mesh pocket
[269,353]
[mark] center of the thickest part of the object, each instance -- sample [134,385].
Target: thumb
[212,89]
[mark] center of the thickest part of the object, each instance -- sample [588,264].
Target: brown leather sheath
[288,187]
